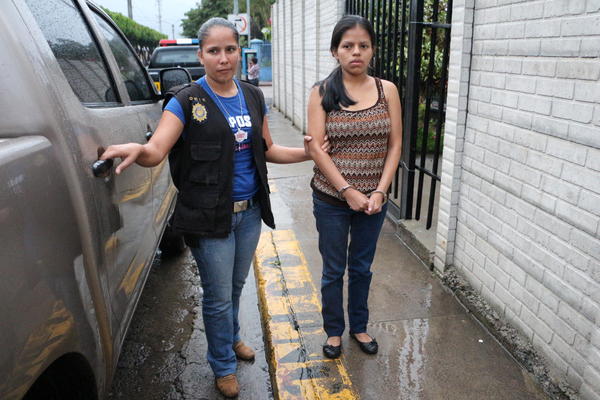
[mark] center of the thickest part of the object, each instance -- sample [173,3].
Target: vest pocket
[195,196]
[196,209]
[205,167]
[194,220]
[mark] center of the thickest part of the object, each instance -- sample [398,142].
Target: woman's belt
[243,205]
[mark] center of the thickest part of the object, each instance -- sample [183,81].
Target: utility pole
[236,11]
[249,21]
[173,31]
[129,9]
[159,16]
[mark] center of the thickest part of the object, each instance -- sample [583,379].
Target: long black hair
[332,88]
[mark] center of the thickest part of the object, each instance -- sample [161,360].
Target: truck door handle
[101,168]
[149,135]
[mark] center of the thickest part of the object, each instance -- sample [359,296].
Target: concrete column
[275,53]
[456,116]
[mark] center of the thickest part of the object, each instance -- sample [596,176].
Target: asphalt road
[164,353]
[430,347]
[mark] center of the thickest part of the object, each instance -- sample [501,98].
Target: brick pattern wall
[276,49]
[301,57]
[288,60]
[520,208]
[454,131]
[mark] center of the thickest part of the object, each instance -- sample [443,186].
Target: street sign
[241,21]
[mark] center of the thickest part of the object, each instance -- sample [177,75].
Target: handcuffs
[346,187]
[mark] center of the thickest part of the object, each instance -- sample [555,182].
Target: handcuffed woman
[361,115]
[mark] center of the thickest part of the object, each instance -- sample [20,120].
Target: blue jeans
[224,264]
[335,224]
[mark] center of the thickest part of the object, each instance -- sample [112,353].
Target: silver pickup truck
[76,241]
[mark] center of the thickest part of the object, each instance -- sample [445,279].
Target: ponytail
[333,92]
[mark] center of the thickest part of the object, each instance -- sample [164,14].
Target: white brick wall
[454,135]
[520,198]
[288,57]
[276,50]
[301,57]
[527,190]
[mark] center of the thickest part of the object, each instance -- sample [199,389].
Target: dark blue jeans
[335,224]
[224,265]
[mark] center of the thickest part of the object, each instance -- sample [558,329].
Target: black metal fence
[413,45]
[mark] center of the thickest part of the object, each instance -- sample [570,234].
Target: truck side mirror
[171,77]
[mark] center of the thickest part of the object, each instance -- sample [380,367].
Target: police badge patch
[199,112]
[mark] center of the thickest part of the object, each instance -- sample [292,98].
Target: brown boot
[243,352]
[228,386]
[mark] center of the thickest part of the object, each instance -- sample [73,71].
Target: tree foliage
[197,15]
[260,15]
[431,14]
[438,47]
[139,36]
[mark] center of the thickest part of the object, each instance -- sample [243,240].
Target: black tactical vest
[201,163]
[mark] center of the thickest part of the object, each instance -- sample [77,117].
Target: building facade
[301,56]
[519,205]
[520,200]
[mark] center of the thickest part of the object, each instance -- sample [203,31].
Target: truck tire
[171,243]
[66,379]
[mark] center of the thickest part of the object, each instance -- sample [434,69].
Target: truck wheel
[67,379]
[171,244]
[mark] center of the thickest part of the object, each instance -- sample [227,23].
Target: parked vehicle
[76,241]
[175,53]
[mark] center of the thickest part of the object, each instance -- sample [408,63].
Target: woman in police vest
[219,128]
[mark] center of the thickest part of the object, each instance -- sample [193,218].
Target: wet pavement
[163,356]
[430,347]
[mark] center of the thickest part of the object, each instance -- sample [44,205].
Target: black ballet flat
[367,347]
[331,351]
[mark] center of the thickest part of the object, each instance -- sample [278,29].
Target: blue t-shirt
[245,176]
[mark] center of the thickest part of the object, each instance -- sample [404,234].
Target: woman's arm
[394,148]
[316,128]
[281,154]
[152,153]
[288,155]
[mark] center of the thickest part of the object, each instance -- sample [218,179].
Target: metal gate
[412,50]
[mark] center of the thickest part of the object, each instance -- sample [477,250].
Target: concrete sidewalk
[430,347]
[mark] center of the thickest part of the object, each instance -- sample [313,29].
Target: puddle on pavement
[163,356]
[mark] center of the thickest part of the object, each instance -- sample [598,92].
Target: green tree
[197,15]
[260,14]
[139,36]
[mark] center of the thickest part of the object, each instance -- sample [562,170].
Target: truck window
[175,57]
[132,72]
[76,51]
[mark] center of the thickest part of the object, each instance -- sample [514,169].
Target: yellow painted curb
[272,186]
[289,309]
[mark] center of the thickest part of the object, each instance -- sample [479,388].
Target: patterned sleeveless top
[359,141]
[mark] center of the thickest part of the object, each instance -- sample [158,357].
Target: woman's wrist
[143,153]
[306,155]
[383,194]
[344,189]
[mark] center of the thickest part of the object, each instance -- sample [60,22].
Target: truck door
[137,237]
[97,108]
[149,110]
